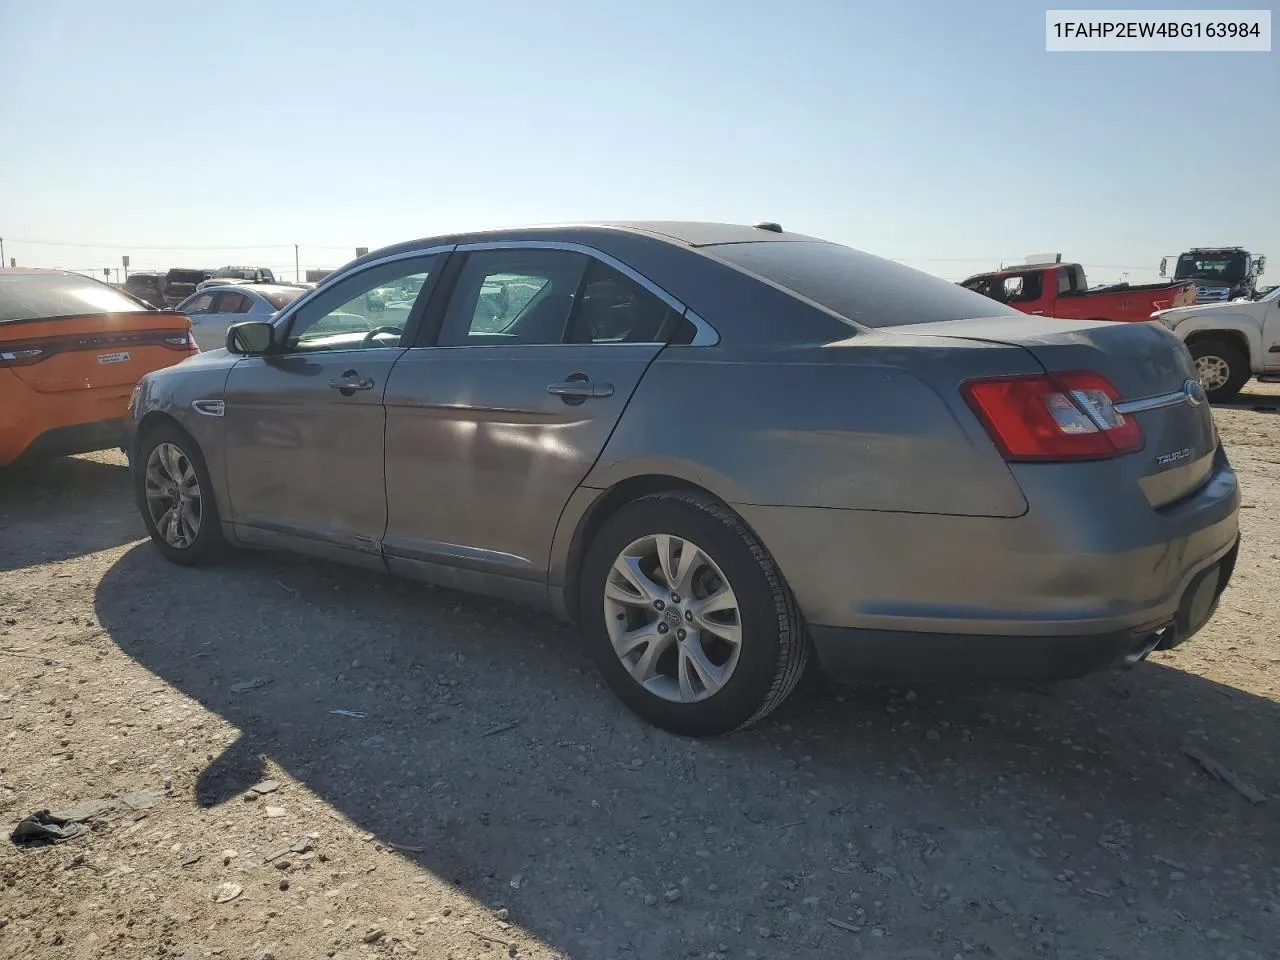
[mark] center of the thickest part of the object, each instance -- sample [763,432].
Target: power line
[135,246]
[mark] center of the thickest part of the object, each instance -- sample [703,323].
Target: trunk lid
[1145,362]
[108,351]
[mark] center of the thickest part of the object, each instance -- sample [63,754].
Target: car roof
[38,271]
[685,233]
[250,288]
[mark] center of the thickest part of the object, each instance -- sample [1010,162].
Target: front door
[304,424]
[490,430]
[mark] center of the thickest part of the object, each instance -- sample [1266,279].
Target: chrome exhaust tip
[1143,650]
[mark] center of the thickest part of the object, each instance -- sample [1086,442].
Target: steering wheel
[368,337]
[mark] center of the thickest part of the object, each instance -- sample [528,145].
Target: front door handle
[580,389]
[350,382]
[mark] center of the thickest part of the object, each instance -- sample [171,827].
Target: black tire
[208,542]
[774,650]
[1238,372]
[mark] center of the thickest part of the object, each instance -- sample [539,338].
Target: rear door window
[232,302]
[506,297]
[859,287]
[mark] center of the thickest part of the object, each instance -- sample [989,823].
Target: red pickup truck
[1059,290]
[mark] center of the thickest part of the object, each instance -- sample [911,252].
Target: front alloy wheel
[1213,372]
[174,499]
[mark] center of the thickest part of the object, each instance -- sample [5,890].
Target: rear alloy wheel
[1221,367]
[689,619]
[176,497]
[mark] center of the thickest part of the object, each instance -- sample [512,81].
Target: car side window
[505,297]
[232,302]
[200,304]
[613,308]
[368,309]
[1021,288]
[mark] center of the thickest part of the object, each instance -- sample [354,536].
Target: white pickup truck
[1231,341]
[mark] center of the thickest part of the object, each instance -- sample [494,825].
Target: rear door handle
[580,389]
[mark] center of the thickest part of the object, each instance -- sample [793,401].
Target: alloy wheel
[173,495]
[673,618]
[1212,372]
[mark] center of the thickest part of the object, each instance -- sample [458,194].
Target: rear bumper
[885,656]
[1064,590]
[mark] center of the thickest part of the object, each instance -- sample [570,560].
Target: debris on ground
[1219,772]
[247,685]
[56,826]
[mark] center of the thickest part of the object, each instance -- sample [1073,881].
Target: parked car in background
[213,309]
[148,287]
[71,350]
[225,275]
[1230,342]
[1060,290]
[720,449]
[181,282]
[1219,273]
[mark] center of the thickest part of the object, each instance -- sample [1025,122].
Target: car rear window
[865,289]
[282,298]
[40,296]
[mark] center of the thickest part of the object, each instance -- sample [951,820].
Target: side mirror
[251,338]
[1164,266]
[1262,265]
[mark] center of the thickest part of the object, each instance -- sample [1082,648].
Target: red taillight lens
[1060,416]
[182,341]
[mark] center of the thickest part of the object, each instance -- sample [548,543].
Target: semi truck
[1219,273]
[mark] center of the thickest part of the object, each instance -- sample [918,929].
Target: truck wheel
[1222,368]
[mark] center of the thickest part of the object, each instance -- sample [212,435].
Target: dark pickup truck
[1060,290]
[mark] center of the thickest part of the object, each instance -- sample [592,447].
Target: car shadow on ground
[483,738]
[59,509]
[1256,402]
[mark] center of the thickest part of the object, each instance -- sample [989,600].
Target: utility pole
[1,251]
[296,274]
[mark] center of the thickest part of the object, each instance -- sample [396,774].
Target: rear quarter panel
[856,425]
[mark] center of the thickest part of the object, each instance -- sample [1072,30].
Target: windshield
[236,273]
[280,299]
[865,289]
[1224,267]
[40,296]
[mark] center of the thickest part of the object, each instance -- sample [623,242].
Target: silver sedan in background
[213,309]
[721,450]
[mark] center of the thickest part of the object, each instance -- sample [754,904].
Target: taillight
[18,358]
[183,341]
[1059,416]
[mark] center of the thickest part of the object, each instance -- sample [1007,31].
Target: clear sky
[937,132]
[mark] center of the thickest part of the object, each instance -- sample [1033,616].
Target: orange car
[71,350]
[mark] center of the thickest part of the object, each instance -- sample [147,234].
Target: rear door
[492,426]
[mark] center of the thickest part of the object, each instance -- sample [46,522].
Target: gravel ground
[485,796]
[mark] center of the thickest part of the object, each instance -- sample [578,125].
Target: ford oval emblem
[1194,392]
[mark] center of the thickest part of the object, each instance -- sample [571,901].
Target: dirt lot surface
[484,796]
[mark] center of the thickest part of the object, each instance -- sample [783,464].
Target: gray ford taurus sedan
[720,449]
